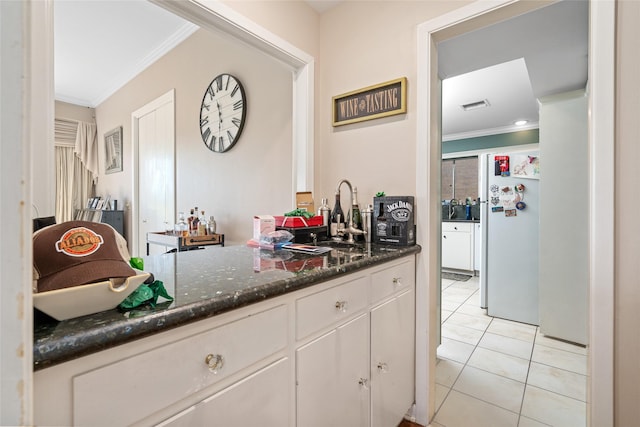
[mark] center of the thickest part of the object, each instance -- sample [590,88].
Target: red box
[298,221]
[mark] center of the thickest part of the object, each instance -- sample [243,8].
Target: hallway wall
[627,226]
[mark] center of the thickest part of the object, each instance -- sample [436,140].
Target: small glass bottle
[190,219]
[357,217]
[202,224]
[211,225]
[182,228]
[194,223]
[337,217]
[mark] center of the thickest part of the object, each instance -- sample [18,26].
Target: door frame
[169,97]
[601,92]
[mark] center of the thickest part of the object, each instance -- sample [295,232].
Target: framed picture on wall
[113,150]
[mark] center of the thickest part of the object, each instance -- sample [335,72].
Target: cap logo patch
[79,241]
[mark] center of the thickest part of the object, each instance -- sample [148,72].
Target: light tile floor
[494,372]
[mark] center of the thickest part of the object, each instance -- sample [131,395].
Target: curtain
[75,177]
[64,183]
[87,147]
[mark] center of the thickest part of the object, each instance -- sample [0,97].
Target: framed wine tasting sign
[373,102]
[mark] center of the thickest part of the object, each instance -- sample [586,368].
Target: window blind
[65,131]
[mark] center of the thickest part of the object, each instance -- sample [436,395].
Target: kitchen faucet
[350,229]
[452,211]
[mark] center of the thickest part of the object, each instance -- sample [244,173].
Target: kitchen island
[244,323]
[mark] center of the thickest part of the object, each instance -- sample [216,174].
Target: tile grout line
[526,379]
[535,342]
[466,361]
[475,347]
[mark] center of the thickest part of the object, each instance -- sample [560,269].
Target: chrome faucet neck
[350,230]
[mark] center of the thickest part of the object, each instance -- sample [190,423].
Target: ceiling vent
[475,105]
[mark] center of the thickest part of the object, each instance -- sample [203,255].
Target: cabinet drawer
[327,307]
[457,226]
[265,392]
[133,388]
[398,277]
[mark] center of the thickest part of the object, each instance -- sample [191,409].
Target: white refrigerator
[509,193]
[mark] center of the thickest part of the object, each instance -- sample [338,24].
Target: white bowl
[67,303]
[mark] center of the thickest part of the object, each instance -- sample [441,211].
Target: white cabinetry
[457,245]
[392,359]
[360,372]
[477,246]
[261,399]
[333,376]
[167,374]
[337,353]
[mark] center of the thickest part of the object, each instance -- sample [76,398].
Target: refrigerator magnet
[501,166]
[521,205]
[510,212]
[497,209]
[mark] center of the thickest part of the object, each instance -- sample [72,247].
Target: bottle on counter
[367,215]
[211,225]
[202,224]
[325,212]
[381,222]
[194,224]
[357,216]
[182,228]
[337,217]
[190,220]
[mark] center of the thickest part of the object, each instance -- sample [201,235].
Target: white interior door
[154,199]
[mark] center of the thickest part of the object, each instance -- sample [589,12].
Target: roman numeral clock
[222,113]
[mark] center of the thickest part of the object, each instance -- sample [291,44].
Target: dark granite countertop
[204,283]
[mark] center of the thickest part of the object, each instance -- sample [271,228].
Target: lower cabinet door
[262,399]
[332,377]
[456,250]
[392,360]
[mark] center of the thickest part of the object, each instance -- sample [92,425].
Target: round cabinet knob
[364,383]
[341,306]
[397,281]
[214,362]
[383,368]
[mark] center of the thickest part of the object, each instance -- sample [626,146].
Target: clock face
[222,113]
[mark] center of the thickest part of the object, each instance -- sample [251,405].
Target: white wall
[627,226]
[564,217]
[64,110]
[362,44]
[252,178]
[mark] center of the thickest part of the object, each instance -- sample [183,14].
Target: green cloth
[145,294]
[137,262]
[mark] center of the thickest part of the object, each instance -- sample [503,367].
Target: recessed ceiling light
[475,105]
[521,122]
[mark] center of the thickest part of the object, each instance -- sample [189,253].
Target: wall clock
[222,113]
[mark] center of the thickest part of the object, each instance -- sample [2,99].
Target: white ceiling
[101,44]
[551,45]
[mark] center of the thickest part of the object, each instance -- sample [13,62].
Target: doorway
[427,189]
[154,165]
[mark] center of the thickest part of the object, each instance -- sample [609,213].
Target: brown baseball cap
[77,253]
